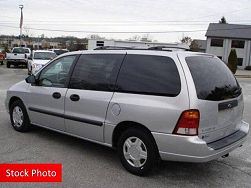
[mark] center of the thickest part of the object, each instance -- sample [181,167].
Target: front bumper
[193,149]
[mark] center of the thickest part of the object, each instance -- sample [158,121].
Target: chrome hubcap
[135,151]
[17,116]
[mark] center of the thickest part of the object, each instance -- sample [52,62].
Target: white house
[95,43]
[221,38]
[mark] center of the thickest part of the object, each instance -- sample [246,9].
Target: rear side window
[96,72]
[212,78]
[150,75]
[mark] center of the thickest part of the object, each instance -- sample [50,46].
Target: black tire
[8,64]
[25,125]
[148,144]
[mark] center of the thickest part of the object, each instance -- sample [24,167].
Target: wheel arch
[123,126]
[13,99]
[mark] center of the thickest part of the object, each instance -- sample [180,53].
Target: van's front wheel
[137,151]
[19,117]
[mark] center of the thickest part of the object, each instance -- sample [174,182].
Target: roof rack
[157,48]
[113,48]
[167,48]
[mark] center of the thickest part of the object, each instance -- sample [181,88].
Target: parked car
[2,56]
[59,51]
[147,104]
[38,59]
[18,56]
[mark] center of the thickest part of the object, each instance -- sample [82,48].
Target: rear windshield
[20,50]
[212,78]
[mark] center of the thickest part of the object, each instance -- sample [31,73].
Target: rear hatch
[218,97]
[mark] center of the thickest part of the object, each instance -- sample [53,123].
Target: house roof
[229,31]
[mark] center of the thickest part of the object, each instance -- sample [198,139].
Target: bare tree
[186,40]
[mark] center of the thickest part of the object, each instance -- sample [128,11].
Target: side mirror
[31,79]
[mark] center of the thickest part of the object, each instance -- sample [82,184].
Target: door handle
[56,95]
[74,97]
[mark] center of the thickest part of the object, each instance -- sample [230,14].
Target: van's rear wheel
[137,151]
[19,117]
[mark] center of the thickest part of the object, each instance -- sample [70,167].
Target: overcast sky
[121,16]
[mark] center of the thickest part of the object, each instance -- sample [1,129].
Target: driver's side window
[56,74]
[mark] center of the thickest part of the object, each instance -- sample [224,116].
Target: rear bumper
[193,149]
[17,61]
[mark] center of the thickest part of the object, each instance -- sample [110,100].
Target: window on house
[217,42]
[240,61]
[100,43]
[238,44]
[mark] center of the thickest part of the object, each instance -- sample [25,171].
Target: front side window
[56,73]
[217,42]
[96,72]
[26,51]
[149,75]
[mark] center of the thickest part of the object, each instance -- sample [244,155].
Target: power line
[121,24]
[122,32]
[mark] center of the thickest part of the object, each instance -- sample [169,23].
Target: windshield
[212,78]
[20,50]
[44,55]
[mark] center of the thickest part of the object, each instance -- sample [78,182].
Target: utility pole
[21,23]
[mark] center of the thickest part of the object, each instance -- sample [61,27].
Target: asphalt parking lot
[90,165]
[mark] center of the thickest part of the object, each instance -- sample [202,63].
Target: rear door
[90,91]
[214,90]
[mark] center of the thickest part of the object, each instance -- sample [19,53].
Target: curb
[243,76]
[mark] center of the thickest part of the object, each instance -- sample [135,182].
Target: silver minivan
[147,104]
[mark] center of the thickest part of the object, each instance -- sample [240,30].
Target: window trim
[69,74]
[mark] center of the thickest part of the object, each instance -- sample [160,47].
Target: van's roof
[139,51]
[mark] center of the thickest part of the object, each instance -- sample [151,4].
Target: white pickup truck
[18,56]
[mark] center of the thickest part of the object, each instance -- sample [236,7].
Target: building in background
[95,43]
[221,38]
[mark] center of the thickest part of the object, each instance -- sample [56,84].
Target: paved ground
[90,165]
[243,74]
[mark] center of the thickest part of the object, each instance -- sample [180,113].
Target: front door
[46,98]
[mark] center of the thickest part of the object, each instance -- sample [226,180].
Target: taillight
[188,123]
